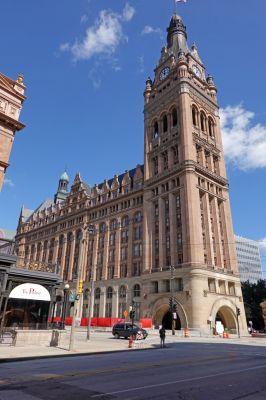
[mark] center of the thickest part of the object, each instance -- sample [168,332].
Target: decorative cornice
[13,123]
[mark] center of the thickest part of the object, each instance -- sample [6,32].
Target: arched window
[138,217]
[113,224]
[125,221]
[122,292]
[194,116]
[165,123]
[202,121]
[211,127]
[174,117]
[155,130]
[136,290]
[97,294]
[102,227]
[109,292]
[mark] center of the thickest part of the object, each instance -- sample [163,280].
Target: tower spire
[177,35]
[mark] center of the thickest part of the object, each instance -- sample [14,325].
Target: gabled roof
[7,83]
[121,176]
[26,213]
[45,204]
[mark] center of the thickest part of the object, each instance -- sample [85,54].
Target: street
[185,371]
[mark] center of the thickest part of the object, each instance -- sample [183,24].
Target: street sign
[125,313]
[71,297]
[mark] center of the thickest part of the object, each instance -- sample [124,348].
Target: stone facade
[11,100]
[172,211]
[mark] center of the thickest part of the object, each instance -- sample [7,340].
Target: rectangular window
[211,285]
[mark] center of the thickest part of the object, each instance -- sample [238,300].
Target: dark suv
[127,329]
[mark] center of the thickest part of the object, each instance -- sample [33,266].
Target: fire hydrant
[130,342]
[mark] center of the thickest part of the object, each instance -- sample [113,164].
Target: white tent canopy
[30,291]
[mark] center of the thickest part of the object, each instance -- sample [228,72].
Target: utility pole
[172,269]
[91,230]
[79,288]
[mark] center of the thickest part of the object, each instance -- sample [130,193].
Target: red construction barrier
[146,323]
[104,322]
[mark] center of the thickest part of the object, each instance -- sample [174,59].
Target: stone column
[148,232]
[95,251]
[105,253]
[173,228]
[208,233]
[193,239]
[102,302]
[63,257]
[130,247]
[162,243]
[217,233]
[55,252]
[115,301]
[117,249]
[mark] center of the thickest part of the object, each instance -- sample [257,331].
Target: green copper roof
[64,177]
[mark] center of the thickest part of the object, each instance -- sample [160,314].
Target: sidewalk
[103,342]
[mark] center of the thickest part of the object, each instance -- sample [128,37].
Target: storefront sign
[30,291]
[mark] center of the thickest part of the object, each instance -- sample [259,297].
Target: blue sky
[85,65]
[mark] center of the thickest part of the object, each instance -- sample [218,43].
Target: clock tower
[187,219]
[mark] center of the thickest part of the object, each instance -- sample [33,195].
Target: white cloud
[83,18]
[103,37]
[141,64]
[147,30]
[244,142]
[128,12]
[64,47]
[9,182]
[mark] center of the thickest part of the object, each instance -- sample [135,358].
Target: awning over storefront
[30,291]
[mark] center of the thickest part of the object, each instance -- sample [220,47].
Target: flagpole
[175,7]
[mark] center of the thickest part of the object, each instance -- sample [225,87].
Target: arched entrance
[163,317]
[226,316]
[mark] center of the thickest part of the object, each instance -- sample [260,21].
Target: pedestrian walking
[162,336]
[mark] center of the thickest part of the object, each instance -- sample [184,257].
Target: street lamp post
[64,308]
[91,230]
[77,294]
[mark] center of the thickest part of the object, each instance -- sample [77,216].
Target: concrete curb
[40,357]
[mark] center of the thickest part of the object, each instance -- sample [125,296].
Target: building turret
[62,192]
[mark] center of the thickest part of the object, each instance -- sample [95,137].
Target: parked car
[125,330]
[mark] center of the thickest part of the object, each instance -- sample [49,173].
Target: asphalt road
[181,371]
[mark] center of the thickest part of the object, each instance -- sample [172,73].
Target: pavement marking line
[74,375]
[178,381]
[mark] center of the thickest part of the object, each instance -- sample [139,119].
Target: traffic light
[80,286]
[237,311]
[132,314]
[174,307]
[171,304]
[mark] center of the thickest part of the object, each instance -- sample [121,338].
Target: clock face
[196,71]
[164,73]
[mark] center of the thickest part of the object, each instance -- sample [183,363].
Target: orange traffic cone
[186,332]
